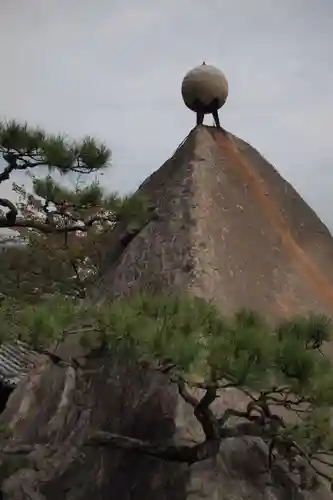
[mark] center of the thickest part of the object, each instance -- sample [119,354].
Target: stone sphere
[204,84]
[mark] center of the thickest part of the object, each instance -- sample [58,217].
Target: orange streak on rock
[272,211]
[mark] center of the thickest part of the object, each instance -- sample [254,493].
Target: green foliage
[37,324]
[14,136]
[274,366]
[32,147]
[243,353]
[314,433]
[159,327]
[243,349]
[65,230]
[63,263]
[311,331]
[10,328]
[131,208]
[91,195]
[40,326]
[50,190]
[298,352]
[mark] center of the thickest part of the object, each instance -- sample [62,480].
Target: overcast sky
[113,69]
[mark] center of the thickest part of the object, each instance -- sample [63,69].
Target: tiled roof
[15,361]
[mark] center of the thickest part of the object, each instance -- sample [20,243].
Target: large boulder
[226,227]
[229,228]
[52,414]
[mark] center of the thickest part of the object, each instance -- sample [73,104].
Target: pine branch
[10,217]
[214,433]
[9,222]
[25,148]
[12,165]
[185,454]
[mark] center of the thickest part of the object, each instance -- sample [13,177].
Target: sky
[113,70]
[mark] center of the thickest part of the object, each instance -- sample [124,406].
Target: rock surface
[228,228]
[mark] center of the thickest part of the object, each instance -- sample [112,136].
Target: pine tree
[63,229]
[275,367]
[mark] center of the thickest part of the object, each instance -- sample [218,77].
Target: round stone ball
[202,85]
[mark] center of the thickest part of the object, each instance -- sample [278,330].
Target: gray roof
[16,359]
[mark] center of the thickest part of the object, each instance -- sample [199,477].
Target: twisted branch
[185,454]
